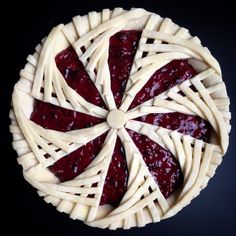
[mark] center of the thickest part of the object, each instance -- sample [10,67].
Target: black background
[212,213]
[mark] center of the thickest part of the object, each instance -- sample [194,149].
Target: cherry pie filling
[161,163]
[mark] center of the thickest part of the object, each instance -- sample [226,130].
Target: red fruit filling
[117,176]
[163,79]
[73,164]
[160,162]
[187,124]
[57,118]
[76,76]
[123,46]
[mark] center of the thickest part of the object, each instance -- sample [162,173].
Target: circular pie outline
[20,144]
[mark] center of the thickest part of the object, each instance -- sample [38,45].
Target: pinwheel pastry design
[120,118]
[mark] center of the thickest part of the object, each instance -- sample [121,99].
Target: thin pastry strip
[206,56]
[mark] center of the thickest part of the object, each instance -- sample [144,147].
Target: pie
[120,118]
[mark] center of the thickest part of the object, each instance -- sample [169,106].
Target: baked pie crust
[203,95]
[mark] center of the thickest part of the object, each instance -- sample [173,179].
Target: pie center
[116,119]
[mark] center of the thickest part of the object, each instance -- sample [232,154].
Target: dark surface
[212,213]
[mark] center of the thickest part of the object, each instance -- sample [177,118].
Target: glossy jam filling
[73,164]
[117,176]
[187,124]
[163,79]
[57,118]
[160,162]
[123,46]
[76,76]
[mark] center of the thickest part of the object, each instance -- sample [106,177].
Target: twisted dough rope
[198,160]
